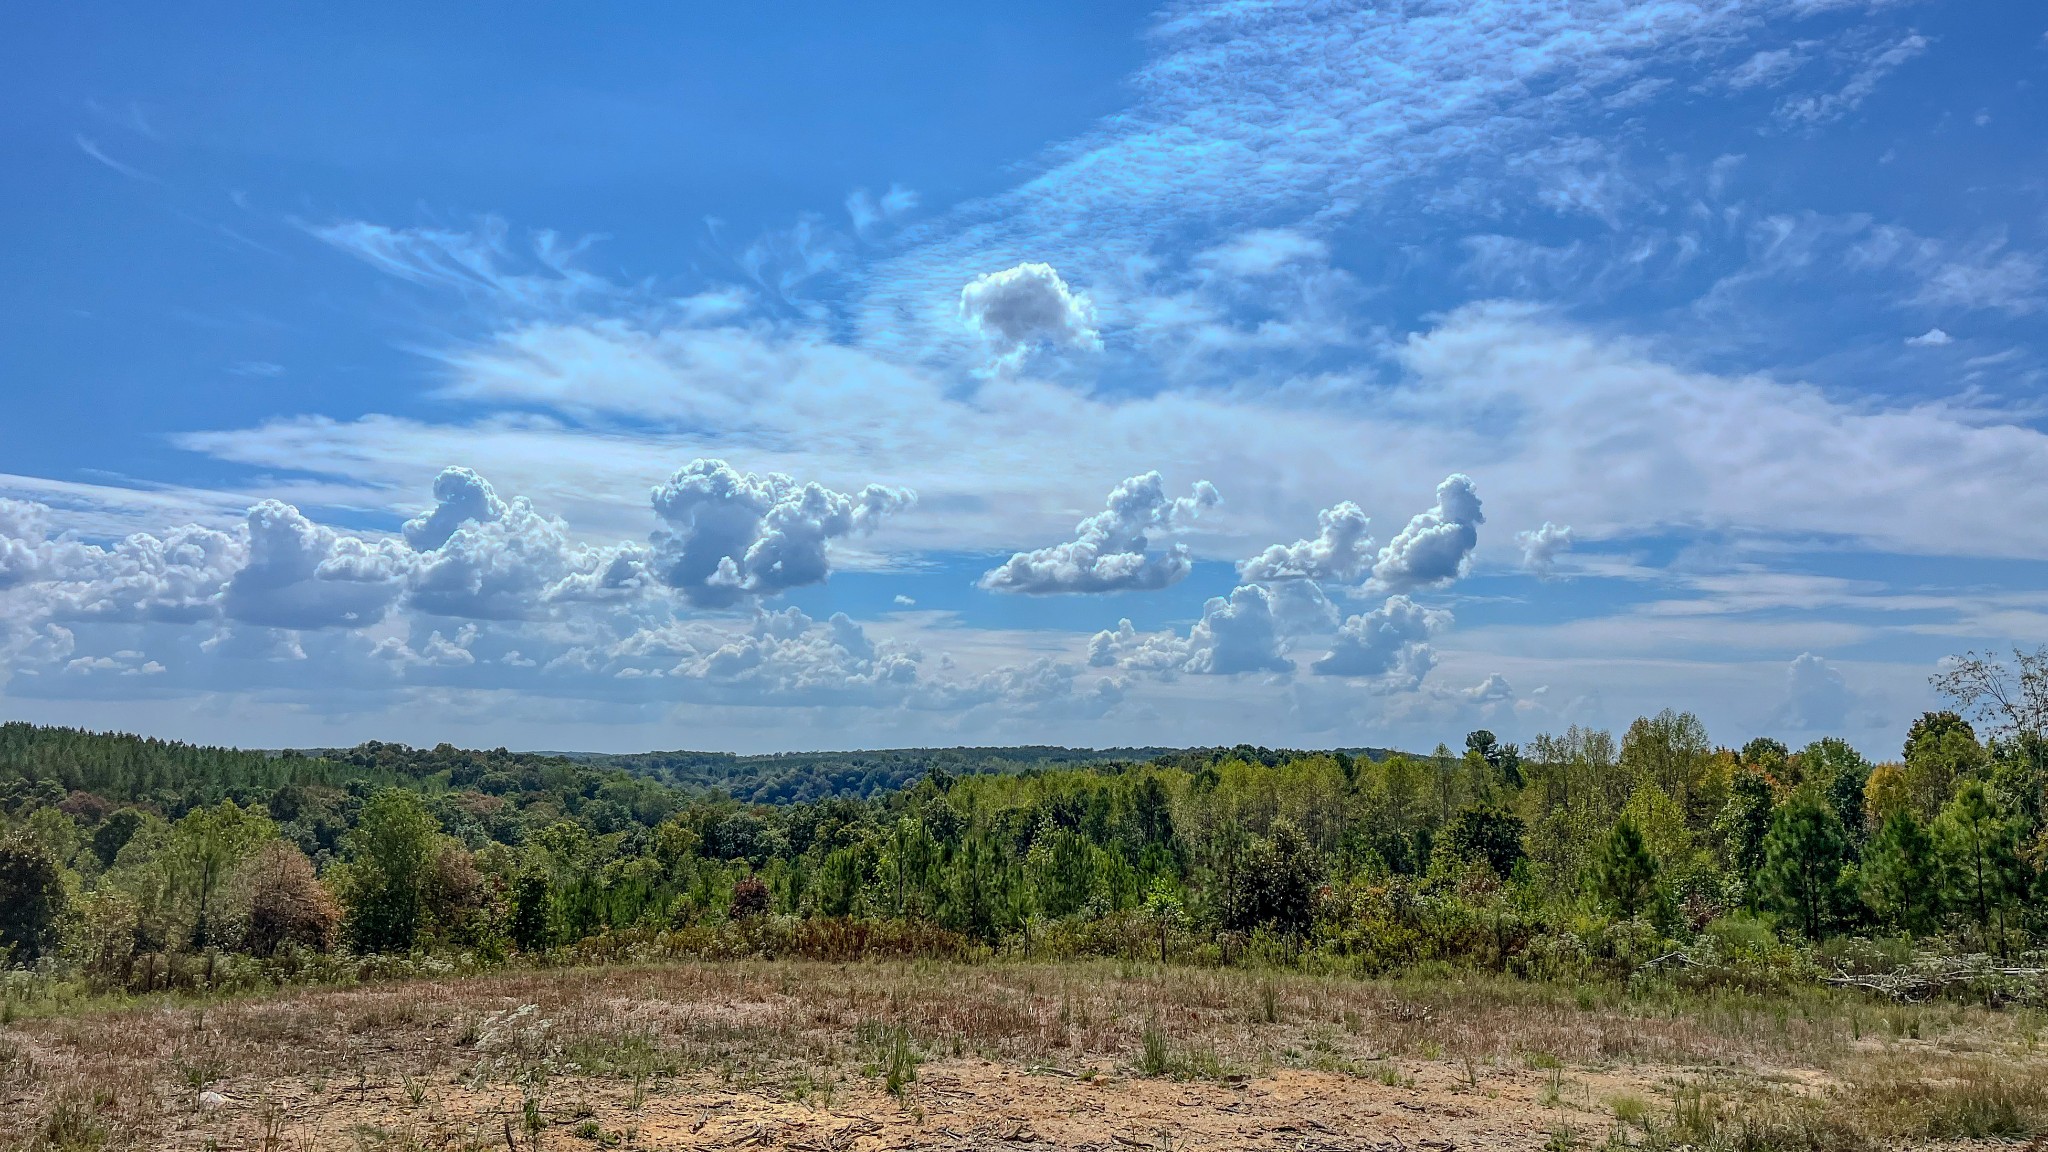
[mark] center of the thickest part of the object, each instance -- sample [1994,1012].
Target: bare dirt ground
[857,1058]
[969,1104]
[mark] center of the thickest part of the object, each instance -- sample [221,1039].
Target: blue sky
[1291,373]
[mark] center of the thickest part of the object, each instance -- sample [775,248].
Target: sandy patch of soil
[957,1103]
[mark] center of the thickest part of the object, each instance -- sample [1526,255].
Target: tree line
[133,863]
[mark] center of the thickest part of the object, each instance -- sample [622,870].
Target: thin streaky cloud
[92,149]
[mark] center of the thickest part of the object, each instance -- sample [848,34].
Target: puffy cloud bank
[484,590]
[727,536]
[300,575]
[481,591]
[1237,633]
[497,560]
[1817,697]
[1433,550]
[1341,551]
[1257,626]
[1390,642]
[460,497]
[786,656]
[497,571]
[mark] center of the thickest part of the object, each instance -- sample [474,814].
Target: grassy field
[866,1056]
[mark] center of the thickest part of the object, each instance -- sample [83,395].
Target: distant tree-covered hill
[777,778]
[801,777]
[117,766]
[798,777]
[174,776]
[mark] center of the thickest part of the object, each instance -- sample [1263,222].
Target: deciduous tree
[1273,882]
[385,875]
[204,849]
[288,906]
[1487,834]
[31,898]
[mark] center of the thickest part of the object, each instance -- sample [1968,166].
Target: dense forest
[796,777]
[137,864]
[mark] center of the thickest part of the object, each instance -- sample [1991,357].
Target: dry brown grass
[891,1055]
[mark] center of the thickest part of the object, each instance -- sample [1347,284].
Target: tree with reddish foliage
[749,898]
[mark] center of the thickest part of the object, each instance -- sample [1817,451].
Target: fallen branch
[1929,977]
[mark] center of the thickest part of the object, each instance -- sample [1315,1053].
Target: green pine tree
[1624,874]
[1980,851]
[1806,855]
[1902,877]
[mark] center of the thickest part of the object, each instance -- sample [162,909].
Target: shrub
[1739,934]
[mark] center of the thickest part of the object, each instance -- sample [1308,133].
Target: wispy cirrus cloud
[1298,112]
[1868,69]
[1592,439]
[541,274]
[91,148]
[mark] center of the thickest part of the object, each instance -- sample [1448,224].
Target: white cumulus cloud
[731,534]
[305,575]
[1541,546]
[1025,307]
[1341,550]
[1495,689]
[460,497]
[1817,698]
[1112,551]
[24,541]
[517,563]
[1436,545]
[1237,633]
[788,657]
[1389,643]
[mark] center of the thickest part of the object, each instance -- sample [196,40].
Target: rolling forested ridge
[134,864]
